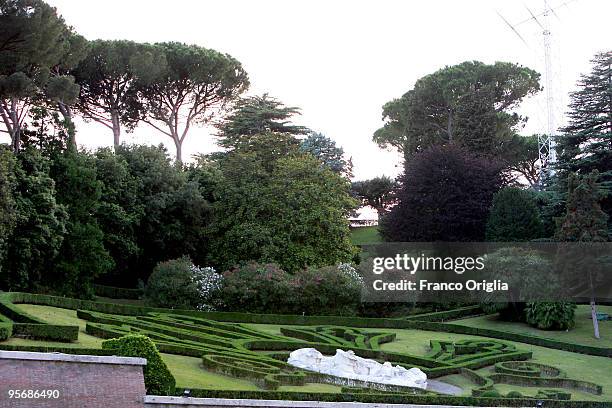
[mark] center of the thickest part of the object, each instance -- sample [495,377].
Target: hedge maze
[235,349]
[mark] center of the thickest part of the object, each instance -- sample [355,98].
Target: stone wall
[55,380]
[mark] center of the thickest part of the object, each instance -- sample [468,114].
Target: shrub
[514,216]
[329,290]
[550,315]
[514,394]
[157,377]
[257,288]
[525,271]
[180,284]
[491,394]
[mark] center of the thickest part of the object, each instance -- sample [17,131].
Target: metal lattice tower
[546,142]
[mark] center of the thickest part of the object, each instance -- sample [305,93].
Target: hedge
[54,349]
[391,398]
[51,332]
[458,313]
[233,317]
[579,385]
[117,293]
[6,328]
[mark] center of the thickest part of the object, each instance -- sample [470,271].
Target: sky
[341,60]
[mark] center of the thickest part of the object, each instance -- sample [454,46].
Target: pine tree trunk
[179,150]
[67,114]
[116,130]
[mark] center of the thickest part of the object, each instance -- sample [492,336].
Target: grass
[582,333]
[56,315]
[189,372]
[365,235]
[577,366]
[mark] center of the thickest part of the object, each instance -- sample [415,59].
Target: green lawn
[582,333]
[577,366]
[189,372]
[365,235]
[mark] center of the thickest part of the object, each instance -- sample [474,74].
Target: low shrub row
[50,332]
[526,381]
[6,327]
[117,293]
[69,303]
[391,398]
[527,369]
[54,349]
[445,315]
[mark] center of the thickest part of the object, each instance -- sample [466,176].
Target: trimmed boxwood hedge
[54,349]
[51,332]
[391,398]
[6,327]
[117,293]
[68,303]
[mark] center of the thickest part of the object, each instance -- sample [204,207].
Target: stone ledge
[71,358]
[152,400]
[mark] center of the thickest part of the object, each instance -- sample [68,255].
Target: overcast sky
[341,60]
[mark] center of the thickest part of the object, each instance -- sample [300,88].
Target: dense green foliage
[378,193]
[257,115]
[180,284]
[514,216]
[157,377]
[526,271]
[586,142]
[39,224]
[445,194]
[259,288]
[468,103]
[278,205]
[326,151]
[550,315]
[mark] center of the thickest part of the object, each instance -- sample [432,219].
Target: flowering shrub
[330,290]
[257,288]
[180,284]
[208,283]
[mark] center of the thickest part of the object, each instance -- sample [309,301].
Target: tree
[119,215]
[39,226]
[584,221]
[8,184]
[190,89]
[444,195]
[256,115]
[173,212]
[32,40]
[110,76]
[82,257]
[290,211]
[326,151]
[514,216]
[62,89]
[378,193]
[467,103]
[521,155]
[586,142]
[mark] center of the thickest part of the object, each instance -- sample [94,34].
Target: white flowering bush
[208,283]
[350,271]
[179,284]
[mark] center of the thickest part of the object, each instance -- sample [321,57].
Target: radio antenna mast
[546,142]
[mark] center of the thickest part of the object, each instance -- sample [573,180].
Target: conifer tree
[584,221]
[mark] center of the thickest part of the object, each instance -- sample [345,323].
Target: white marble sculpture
[347,365]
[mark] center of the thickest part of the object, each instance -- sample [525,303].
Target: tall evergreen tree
[32,41]
[584,221]
[586,143]
[326,151]
[256,115]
